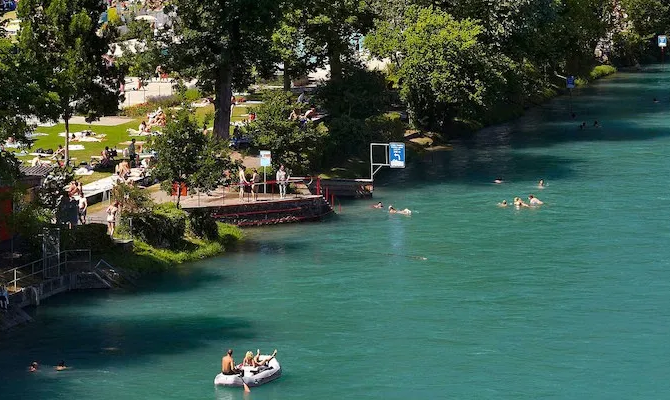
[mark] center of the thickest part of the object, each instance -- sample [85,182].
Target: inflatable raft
[253,376]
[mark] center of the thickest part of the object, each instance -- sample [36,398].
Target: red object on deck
[184,189]
[5,211]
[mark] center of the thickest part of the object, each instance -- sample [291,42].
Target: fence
[52,266]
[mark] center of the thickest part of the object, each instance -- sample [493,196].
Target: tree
[188,157]
[447,72]
[297,145]
[336,24]
[59,39]
[218,42]
[19,97]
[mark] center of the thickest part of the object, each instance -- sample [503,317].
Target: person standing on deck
[282,181]
[255,178]
[243,181]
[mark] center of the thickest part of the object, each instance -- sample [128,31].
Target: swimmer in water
[378,205]
[655,100]
[595,124]
[534,201]
[33,366]
[498,181]
[406,211]
[540,184]
[502,203]
[518,203]
[61,366]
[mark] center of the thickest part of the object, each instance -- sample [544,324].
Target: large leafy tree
[335,24]
[60,39]
[17,99]
[187,156]
[218,42]
[297,145]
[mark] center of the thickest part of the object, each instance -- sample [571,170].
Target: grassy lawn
[114,136]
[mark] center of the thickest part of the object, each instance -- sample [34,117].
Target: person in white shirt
[282,179]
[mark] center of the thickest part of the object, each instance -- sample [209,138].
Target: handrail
[61,262]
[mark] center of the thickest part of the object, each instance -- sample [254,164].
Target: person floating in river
[61,366]
[33,366]
[502,203]
[378,205]
[540,184]
[406,211]
[534,201]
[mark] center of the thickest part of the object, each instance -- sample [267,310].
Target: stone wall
[273,212]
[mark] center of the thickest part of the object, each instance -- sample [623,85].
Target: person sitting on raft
[254,361]
[228,364]
[406,211]
[378,205]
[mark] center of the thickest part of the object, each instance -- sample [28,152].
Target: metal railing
[52,266]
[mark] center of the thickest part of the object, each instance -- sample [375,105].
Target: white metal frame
[378,166]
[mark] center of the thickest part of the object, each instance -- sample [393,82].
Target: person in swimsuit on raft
[228,364]
[254,361]
[406,211]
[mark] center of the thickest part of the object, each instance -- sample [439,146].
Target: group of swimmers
[518,202]
[34,366]
[392,210]
[228,366]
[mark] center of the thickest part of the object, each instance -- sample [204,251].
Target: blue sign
[397,155]
[662,41]
[570,82]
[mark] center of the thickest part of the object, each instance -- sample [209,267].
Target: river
[461,300]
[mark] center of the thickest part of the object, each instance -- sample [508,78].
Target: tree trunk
[287,78]
[222,104]
[335,61]
[66,117]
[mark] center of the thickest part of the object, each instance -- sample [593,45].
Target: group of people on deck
[228,366]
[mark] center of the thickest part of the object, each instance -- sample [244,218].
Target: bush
[164,226]
[138,110]
[601,71]
[131,198]
[201,224]
[91,236]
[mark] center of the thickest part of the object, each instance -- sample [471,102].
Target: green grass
[601,71]
[114,136]
[147,259]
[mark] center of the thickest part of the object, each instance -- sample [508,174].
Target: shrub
[601,71]
[90,236]
[138,110]
[131,198]
[201,224]
[164,226]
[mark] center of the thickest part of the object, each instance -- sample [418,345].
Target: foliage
[219,44]
[201,224]
[89,236]
[187,156]
[59,39]
[53,196]
[601,71]
[359,94]
[132,199]
[447,72]
[146,258]
[163,226]
[297,145]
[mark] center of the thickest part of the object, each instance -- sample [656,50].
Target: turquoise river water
[567,301]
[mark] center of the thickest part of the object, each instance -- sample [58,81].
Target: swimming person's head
[230,352]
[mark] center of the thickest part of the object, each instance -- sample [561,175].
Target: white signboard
[266,158]
[662,41]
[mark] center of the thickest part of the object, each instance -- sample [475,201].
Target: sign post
[394,157]
[570,84]
[266,161]
[662,43]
